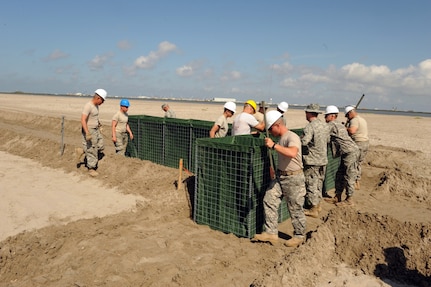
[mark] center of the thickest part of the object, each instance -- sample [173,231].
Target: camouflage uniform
[361,139]
[315,157]
[292,187]
[342,145]
[363,150]
[95,147]
[122,119]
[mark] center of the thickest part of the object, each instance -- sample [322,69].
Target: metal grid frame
[232,175]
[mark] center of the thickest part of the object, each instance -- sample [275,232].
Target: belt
[287,173]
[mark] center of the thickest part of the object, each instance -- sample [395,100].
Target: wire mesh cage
[232,175]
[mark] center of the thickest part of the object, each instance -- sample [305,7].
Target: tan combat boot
[294,241]
[266,237]
[334,200]
[312,212]
[347,202]
[93,172]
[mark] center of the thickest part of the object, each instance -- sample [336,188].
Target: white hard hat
[272,117]
[283,106]
[102,93]
[348,109]
[231,106]
[331,110]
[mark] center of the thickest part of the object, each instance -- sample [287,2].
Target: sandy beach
[131,227]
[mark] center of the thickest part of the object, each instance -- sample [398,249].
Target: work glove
[88,137]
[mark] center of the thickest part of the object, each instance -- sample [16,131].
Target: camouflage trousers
[345,177]
[93,148]
[293,189]
[363,150]
[314,177]
[121,143]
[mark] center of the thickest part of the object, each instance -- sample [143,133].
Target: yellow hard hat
[253,104]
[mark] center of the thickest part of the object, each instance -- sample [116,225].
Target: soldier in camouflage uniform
[342,145]
[92,139]
[314,155]
[358,129]
[289,183]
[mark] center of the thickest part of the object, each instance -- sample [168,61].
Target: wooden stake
[180,176]
[62,137]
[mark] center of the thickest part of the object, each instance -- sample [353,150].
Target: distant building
[224,100]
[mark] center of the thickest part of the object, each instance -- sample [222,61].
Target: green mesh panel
[177,142]
[200,129]
[232,175]
[148,138]
[331,171]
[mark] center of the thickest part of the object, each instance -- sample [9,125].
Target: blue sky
[326,52]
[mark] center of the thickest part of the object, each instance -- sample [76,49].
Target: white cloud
[98,62]
[288,82]
[185,71]
[235,75]
[232,75]
[193,68]
[404,87]
[361,72]
[425,68]
[55,55]
[149,61]
[284,68]
[315,78]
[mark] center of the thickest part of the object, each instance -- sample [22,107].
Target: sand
[132,227]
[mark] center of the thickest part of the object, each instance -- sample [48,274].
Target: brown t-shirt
[361,134]
[285,163]
[92,113]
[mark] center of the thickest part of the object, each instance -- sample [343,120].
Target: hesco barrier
[166,140]
[231,173]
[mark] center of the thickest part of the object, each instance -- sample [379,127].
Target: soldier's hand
[268,142]
[88,137]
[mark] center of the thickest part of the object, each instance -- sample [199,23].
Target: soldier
[120,128]
[315,157]
[289,183]
[168,112]
[358,130]
[92,139]
[343,146]
[221,126]
[245,121]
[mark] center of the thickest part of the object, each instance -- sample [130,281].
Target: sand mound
[360,240]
